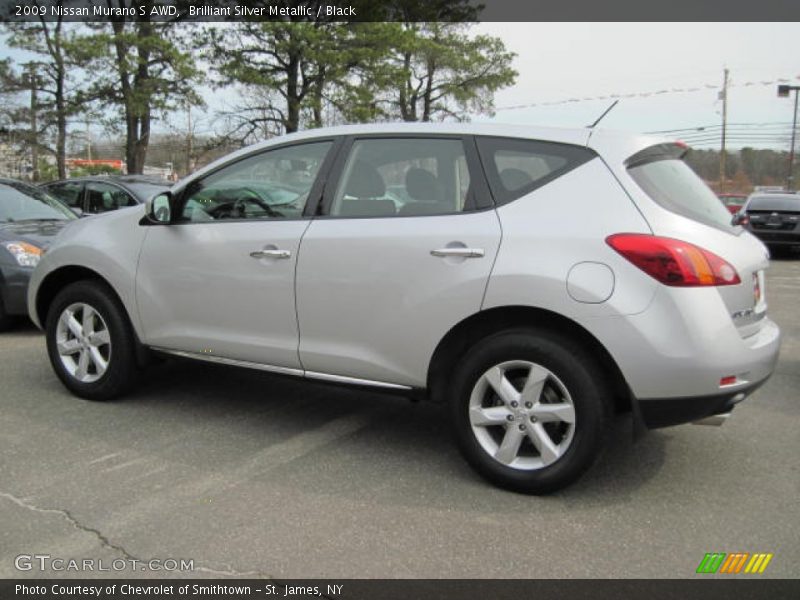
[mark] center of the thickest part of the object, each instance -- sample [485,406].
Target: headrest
[365,181]
[422,185]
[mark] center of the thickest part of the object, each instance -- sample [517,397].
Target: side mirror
[78,211]
[159,209]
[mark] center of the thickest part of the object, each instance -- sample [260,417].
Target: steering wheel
[248,196]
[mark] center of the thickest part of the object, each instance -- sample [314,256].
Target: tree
[54,91]
[291,70]
[288,69]
[447,73]
[142,67]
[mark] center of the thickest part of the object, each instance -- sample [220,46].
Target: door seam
[296,308]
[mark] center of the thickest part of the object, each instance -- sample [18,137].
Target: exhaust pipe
[714,420]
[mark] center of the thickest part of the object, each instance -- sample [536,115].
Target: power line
[646,94]
[767,124]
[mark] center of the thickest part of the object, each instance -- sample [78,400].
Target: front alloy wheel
[84,342]
[90,341]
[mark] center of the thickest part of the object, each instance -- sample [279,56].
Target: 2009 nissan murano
[532,279]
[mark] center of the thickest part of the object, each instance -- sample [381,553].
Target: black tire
[122,369]
[574,370]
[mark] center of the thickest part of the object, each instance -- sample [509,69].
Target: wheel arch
[487,322]
[57,280]
[61,277]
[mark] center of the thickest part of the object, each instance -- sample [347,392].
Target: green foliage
[142,67]
[92,170]
[49,79]
[289,65]
[448,73]
[48,171]
[139,68]
[305,74]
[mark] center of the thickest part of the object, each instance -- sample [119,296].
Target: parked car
[774,218]
[92,195]
[733,202]
[29,220]
[535,280]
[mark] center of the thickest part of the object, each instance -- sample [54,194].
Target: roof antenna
[608,110]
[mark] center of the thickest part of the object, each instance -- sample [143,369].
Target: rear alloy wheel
[522,415]
[529,410]
[90,341]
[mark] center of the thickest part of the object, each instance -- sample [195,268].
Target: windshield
[21,202]
[673,184]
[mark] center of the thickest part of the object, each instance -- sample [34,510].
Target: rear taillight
[674,262]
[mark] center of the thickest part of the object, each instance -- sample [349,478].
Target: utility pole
[783,92]
[724,95]
[32,80]
[189,141]
[88,141]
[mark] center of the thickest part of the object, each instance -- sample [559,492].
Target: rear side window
[70,192]
[673,185]
[398,177]
[516,167]
[104,197]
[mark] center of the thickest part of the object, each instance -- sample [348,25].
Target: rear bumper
[14,289]
[685,349]
[665,412]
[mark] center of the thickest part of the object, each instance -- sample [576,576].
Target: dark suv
[774,218]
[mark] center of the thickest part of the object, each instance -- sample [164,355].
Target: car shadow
[23,326]
[787,254]
[403,451]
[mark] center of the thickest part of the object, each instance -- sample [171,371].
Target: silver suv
[532,279]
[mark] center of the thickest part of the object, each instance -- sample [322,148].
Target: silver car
[535,280]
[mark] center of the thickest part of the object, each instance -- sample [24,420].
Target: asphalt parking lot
[252,475]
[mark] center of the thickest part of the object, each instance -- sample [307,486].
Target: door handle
[275,253]
[460,252]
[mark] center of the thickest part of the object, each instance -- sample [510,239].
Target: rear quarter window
[516,167]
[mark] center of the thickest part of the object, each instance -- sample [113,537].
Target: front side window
[403,177]
[103,197]
[271,185]
[516,167]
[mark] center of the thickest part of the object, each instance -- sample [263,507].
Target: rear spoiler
[671,150]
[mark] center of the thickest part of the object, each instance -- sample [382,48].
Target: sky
[562,61]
